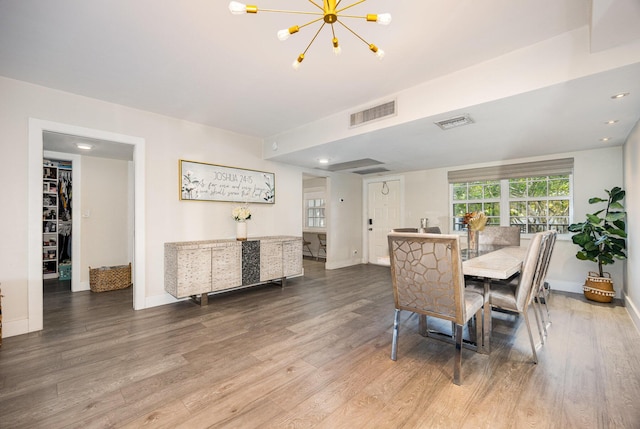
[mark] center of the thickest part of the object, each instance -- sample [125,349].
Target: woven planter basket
[598,288]
[110,278]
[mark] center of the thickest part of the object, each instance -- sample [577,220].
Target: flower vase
[472,240]
[241,230]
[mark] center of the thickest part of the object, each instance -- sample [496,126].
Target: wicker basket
[599,289]
[110,278]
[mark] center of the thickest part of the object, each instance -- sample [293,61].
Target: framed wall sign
[209,182]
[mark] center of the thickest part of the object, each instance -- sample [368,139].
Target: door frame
[34,248]
[365,208]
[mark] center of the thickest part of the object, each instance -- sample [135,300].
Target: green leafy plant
[602,237]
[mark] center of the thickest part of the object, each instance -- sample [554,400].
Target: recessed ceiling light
[605,139]
[84,146]
[620,95]
[323,161]
[612,121]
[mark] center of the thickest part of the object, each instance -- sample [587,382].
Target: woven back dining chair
[427,279]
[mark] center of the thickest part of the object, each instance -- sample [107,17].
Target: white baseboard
[565,286]
[632,309]
[15,327]
[158,300]
[343,263]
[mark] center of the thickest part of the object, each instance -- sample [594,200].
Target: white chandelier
[328,13]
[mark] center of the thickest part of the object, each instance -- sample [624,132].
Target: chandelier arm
[353,32]
[291,11]
[354,16]
[350,6]
[314,38]
[310,22]
[316,5]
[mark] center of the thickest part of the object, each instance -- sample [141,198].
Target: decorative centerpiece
[475,222]
[241,215]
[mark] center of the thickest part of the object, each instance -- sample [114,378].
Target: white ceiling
[195,61]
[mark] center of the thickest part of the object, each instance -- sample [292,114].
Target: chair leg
[537,312]
[480,331]
[394,341]
[457,360]
[539,300]
[423,328]
[545,291]
[533,346]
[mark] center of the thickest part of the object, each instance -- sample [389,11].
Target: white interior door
[383,215]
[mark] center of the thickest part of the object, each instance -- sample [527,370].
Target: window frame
[314,196]
[505,199]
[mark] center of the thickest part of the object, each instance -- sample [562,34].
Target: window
[315,213]
[474,197]
[540,203]
[536,202]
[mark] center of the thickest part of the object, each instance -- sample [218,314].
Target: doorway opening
[315,215]
[37,130]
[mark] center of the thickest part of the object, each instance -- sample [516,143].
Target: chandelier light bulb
[298,62]
[379,52]
[384,19]
[336,47]
[283,34]
[237,8]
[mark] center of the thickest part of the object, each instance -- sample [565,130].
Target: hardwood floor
[314,355]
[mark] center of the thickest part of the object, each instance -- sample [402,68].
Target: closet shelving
[55,215]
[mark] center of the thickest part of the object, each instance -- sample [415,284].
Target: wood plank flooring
[314,355]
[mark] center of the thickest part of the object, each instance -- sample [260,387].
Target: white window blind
[550,167]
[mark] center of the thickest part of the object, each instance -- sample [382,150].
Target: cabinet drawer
[194,272]
[270,260]
[226,267]
[291,258]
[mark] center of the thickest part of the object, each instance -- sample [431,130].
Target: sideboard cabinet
[197,268]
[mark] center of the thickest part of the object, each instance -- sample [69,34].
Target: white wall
[427,195]
[632,203]
[553,61]
[105,220]
[166,217]
[344,231]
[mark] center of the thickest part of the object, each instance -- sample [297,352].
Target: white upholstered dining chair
[518,295]
[427,279]
[500,235]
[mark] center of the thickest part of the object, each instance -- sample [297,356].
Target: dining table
[490,263]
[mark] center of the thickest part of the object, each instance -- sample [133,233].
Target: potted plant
[602,239]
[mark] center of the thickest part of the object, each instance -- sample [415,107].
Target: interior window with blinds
[535,196]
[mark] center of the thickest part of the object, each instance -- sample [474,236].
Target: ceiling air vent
[458,121]
[373,114]
[365,162]
[372,170]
